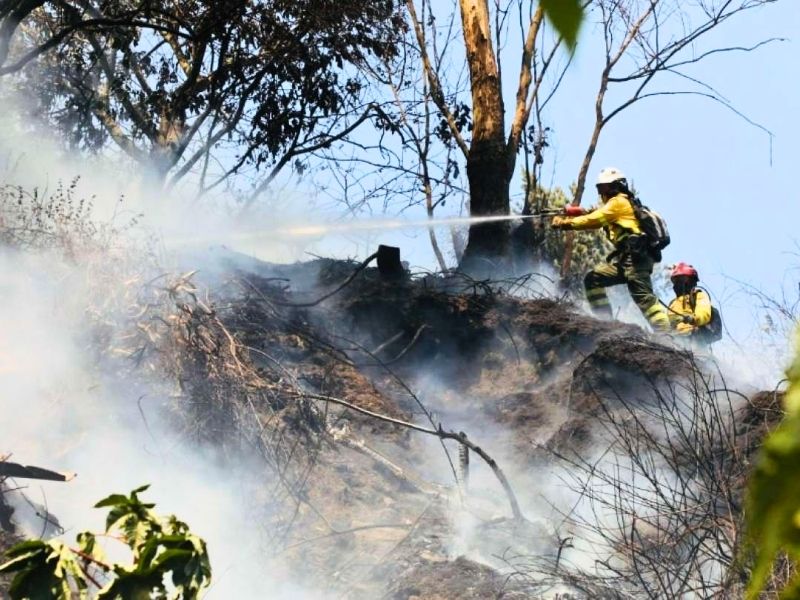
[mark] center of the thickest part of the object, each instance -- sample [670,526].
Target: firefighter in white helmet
[630,262]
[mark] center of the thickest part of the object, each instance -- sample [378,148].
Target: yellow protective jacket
[615,215]
[696,303]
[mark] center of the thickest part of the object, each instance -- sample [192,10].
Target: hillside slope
[623,456]
[549,393]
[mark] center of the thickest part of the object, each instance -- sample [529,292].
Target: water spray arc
[312,230]
[322,229]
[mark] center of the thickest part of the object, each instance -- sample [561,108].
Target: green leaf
[115,499]
[163,549]
[87,544]
[25,547]
[132,516]
[566,16]
[23,555]
[773,494]
[112,500]
[175,559]
[131,586]
[792,590]
[774,500]
[792,399]
[43,571]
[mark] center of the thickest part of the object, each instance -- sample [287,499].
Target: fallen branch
[460,437]
[9,469]
[409,391]
[343,435]
[390,341]
[321,299]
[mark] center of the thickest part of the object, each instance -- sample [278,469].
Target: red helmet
[685,269]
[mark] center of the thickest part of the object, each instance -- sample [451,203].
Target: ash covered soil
[527,379]
[363,507]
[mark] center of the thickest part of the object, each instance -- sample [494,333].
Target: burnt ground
[375,512]
[527,377]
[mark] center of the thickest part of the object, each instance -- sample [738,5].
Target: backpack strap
[636,207]
[693,298]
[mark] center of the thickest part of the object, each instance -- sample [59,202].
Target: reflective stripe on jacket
[682,305]
[615,215]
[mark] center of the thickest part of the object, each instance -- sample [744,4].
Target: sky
[725,187]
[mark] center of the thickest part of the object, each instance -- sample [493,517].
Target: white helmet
[610,175]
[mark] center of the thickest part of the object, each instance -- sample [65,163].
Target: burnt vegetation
[340,398]
[651,445]
[442,435]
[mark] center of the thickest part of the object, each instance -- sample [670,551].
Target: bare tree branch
[433,80]
[442,434]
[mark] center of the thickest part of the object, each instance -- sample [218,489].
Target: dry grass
[61,220]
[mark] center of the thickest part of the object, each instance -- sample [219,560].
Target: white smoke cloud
[62,410]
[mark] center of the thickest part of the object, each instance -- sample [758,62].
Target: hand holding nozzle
[562,218]
[560,222]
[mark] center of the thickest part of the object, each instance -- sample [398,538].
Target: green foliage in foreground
[167,560]
[566,17]
[773,502]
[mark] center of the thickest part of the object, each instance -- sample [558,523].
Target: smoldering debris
[611,380]
[238,363]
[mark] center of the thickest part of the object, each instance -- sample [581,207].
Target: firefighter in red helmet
[690,311]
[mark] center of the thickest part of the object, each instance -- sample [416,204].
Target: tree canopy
[171,82]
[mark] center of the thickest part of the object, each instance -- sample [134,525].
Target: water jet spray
[287,233]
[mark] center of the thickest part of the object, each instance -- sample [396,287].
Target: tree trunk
[489,175]
[164,153]
[490,164]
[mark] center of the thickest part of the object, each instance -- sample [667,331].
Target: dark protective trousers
[634,270]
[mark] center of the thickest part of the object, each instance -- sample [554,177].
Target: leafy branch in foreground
[168,561]
[773,509]
[566,17]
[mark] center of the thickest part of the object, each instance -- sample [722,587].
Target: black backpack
[712,331]
[654,228]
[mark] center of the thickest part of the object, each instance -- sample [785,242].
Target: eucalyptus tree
[203,86]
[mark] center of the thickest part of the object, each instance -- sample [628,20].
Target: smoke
[66,409]
[184,222]
[571,503]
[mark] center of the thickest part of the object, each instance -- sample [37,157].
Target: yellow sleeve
[679,308]
[604,215]
[675,311]
[702,309]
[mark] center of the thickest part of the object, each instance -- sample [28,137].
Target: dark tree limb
[439,432]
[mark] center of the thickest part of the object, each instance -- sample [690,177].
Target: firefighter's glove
[561,223]
[689,319]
